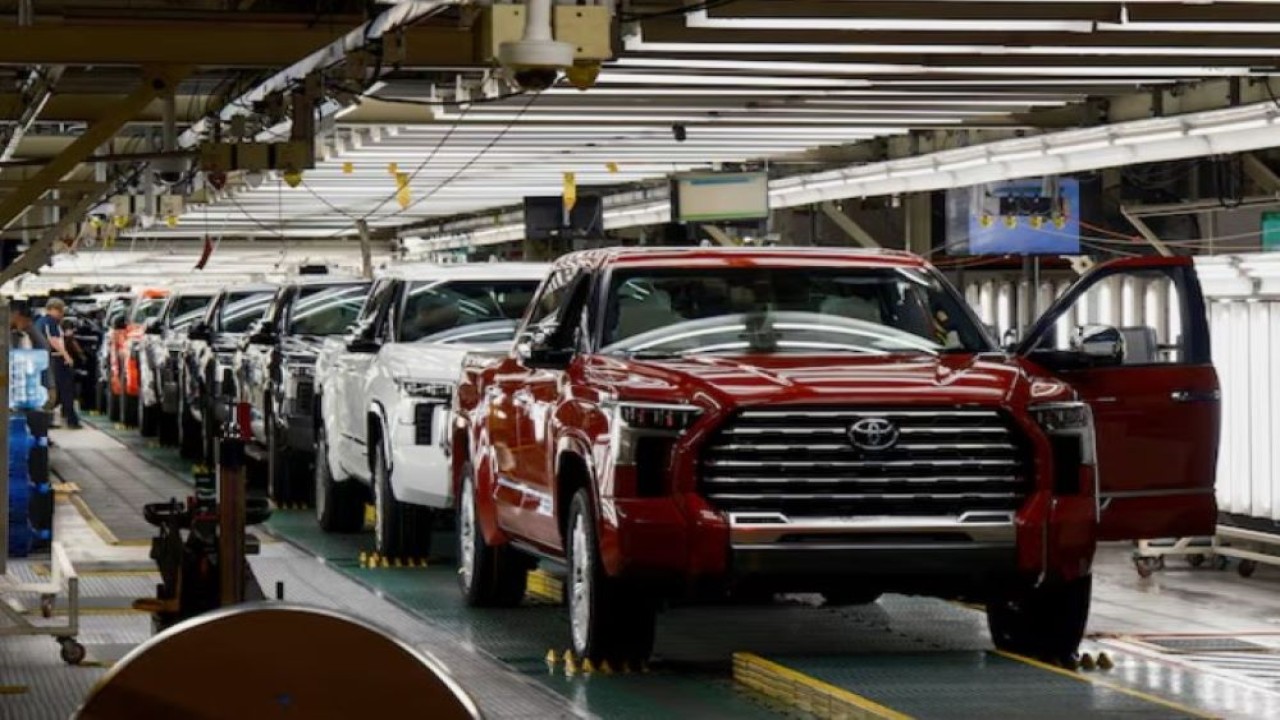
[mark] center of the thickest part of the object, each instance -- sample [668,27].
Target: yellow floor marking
[806,693]
[542,585]
[100,528]
[13,689]
[1193,712]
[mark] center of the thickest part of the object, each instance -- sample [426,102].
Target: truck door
[350,404]
[1151,386]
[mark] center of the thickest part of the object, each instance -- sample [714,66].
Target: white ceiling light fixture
[701,20]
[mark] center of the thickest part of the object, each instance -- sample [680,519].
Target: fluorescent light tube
[1078,147]
[1229,127]
[962,164]
[1143,138]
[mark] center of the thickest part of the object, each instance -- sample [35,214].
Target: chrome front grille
[802,461]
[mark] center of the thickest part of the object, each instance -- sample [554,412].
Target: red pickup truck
[693,424]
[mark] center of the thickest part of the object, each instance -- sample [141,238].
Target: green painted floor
[925,658]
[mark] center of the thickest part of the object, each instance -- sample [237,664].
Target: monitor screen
[1034,216]
[544,218]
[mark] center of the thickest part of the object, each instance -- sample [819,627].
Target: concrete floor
[1228,663]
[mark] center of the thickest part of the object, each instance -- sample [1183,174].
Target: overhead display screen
[1034,216]
[720,197]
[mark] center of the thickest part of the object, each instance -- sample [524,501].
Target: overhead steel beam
[1261,173]
[224,44]
[392,19]
[158,81]
[38,255]
[34,95]
[1146,232]
[83,107]
[849,226]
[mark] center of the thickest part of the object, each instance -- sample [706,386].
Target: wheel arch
[573,471]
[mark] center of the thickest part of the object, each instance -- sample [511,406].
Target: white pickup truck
[385,391]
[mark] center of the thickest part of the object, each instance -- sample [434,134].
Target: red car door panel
[1156,420]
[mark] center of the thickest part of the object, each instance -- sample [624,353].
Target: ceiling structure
[799,86]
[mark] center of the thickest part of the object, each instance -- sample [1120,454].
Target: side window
[377,299]
[1139,317]
[391,316]
[551,301]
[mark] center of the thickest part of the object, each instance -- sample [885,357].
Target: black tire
[339,505]
[279,476]
[1046,622]
[191,435]
[114,406]
[400,530]
[149,424]
[130,413]
[488,576]
[608,619]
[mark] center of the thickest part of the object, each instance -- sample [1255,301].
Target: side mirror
[1010,338]
[1102,344]
[361,339]
[536,350]
[200,331]
[120,323]
[153,327]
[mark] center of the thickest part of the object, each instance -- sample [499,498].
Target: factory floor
[1185,643]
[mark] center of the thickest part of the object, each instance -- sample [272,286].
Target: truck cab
[275,376]
[698,424]
[385,391]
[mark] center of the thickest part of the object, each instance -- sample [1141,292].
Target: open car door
[1151,386]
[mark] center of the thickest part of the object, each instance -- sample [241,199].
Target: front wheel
[190,435]
[399,529]
[488,576]
[1045,622]
[339,505]
[149,424]
[610,621]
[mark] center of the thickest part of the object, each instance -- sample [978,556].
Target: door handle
[1195,396]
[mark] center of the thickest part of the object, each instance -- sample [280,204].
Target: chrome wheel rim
[580,585]
[467,536]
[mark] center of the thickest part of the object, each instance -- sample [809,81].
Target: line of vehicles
[668,425]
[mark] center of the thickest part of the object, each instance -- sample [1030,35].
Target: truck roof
[469,271]
[738,256]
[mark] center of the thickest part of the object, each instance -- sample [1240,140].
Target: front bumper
[684,546]
[422,471]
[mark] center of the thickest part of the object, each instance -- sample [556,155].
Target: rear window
[187,309]
[327,309]
[473,312]
[145,309]
[243,309]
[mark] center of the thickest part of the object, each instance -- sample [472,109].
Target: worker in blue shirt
[60,360]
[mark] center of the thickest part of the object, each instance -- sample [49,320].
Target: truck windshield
[243,309]
[187,309]
[479,312]
[865,311]
[145,309]
[324,310]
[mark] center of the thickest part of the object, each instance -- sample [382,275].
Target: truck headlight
[644,435]
[426,389]
[1069,426]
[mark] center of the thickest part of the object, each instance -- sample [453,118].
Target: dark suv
[207,358]
[275,376]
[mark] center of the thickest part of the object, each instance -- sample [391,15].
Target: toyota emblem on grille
[873,434]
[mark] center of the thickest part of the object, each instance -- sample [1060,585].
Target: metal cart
[62,580]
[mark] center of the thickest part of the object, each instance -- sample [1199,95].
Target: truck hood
[428,361]
[989,379]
